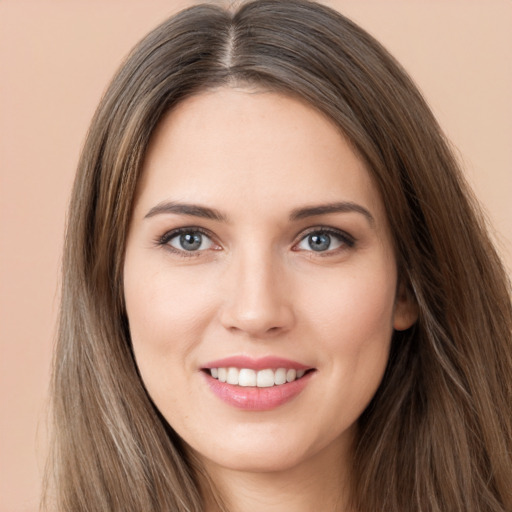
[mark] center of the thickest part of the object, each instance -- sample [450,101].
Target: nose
[258,301]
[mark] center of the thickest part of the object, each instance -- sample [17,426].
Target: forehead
[246,147]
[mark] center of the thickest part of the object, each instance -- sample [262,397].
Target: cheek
[351,323]
[352,309]
[167,311]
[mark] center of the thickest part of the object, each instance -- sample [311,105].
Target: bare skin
[258,232]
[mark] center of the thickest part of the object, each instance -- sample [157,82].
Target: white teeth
[262,379]
[232,376]
[291,375]
[246,377]
[280,376]
[265,378]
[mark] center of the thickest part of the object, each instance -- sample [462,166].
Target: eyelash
[164,240]
[347,241]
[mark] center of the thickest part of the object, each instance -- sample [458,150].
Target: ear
[406,308]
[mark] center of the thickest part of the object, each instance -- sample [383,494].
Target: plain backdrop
[56,58]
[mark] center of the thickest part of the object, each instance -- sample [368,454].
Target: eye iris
[191,241]
[319,241]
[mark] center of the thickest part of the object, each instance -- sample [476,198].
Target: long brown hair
[438,434]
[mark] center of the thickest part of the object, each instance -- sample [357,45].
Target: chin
[260,462]
[271,453]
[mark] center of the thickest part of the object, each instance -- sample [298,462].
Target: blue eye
[319,242]
[188,240]
[325,241]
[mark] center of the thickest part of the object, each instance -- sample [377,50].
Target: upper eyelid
[168,235]
[330,229]
[325,229]
[163,241]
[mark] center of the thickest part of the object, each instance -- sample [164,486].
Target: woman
[278,291]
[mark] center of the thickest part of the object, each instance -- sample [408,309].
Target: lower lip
[257,399]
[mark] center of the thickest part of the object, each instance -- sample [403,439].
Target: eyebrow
[324,209]
[195,210]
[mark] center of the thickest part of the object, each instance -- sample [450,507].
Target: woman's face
[258,251]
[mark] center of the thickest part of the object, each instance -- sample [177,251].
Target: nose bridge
[258,303]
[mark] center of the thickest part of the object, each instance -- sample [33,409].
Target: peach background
[56,58]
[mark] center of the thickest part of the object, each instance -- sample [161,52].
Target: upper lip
[260,363]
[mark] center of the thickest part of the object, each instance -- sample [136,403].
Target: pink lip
[261,363]
[254,398]
[257,399]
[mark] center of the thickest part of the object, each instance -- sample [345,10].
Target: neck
[318,483]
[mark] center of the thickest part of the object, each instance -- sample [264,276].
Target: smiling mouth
[247,377]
